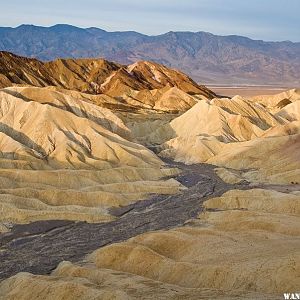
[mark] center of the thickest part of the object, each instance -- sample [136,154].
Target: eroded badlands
[101,148]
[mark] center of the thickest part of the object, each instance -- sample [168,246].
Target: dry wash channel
[212,211]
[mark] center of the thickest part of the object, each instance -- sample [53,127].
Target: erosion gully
[40,246]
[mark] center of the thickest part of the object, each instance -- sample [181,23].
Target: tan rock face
[282,165]
[239,134]
[279,100]
[64,158]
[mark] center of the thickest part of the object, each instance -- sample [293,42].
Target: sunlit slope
[278,101]
[143,84]
[63,158]
[236,133]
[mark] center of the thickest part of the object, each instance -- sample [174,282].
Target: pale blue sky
[258,19]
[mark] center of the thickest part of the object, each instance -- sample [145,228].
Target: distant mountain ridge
[207,58]
[142,85]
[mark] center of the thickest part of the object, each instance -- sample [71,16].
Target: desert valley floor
[135,182]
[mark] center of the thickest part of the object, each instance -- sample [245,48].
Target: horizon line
[150,35]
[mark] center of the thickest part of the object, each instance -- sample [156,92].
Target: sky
[271,20]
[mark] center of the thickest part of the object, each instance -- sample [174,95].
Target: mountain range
[142,85]
[207,58]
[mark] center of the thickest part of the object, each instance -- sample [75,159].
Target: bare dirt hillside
[62,158]
[93,75]
[134,182]
[258,138]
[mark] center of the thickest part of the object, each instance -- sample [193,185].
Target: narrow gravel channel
[39,247]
